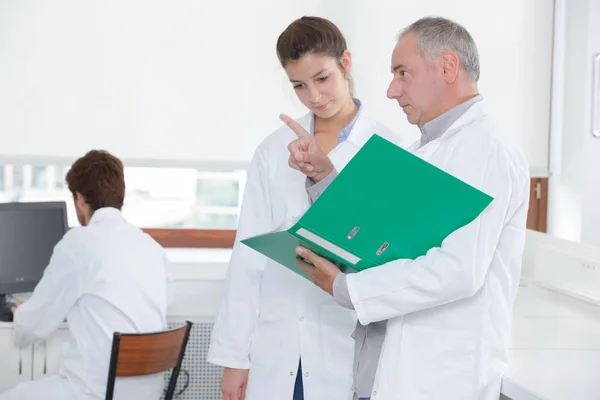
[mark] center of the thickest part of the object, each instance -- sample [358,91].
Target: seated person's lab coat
[106,277]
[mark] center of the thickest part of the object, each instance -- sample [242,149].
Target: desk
[555,351]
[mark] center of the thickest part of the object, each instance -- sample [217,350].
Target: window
[39,179]
[17,176]
[218,199]
[11,182]
[216,221]
[60,174]
[182,198]
[167,198]
[217,190]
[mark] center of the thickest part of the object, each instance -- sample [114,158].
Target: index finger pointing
[295,126]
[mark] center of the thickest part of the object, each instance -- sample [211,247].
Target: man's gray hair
[437,35]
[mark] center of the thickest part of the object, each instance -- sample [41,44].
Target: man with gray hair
[447,313]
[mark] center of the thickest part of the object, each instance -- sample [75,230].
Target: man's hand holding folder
[321,271]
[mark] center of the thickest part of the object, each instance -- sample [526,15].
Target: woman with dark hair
[277,335]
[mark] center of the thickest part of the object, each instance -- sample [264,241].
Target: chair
[137,354]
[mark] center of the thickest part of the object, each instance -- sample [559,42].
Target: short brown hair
[100,179]
[310,35]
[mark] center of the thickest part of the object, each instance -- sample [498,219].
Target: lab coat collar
[305,121]
[475,112]
[364,127]
[107,214]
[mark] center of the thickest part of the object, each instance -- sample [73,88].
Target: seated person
[106,276]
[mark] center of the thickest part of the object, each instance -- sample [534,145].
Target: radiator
[203,380]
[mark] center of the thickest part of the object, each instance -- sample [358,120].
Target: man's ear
[79,199]
[450,65]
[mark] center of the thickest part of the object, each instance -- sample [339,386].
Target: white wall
[514,39]
[145,79]
[574,190]
[191,80]
[590,229]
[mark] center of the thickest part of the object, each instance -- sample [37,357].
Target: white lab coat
[269,316]
[106,277]
[449,312]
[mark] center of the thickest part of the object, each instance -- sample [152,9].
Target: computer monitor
[28,234]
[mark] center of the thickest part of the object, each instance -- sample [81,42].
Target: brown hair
[100,179]
[310,35]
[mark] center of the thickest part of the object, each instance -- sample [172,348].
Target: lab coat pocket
[337,325]
[439,362]
[269,332]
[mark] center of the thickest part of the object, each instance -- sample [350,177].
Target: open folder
[386,204]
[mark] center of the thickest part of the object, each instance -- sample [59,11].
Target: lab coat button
[306,374]
[301,318]
[291,373]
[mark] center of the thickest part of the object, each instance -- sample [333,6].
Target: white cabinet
[47,354]
[15,363]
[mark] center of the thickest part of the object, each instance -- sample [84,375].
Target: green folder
[386,204]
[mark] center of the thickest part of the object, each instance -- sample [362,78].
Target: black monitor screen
[28,234]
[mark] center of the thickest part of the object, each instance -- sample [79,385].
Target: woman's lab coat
[449,312]
[270,317]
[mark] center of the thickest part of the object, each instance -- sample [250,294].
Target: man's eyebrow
[397,67]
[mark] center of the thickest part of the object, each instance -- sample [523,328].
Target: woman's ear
[346,62]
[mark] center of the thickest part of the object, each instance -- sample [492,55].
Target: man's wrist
[340,291]
[319,177]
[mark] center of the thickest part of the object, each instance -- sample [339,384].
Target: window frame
[193,238]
